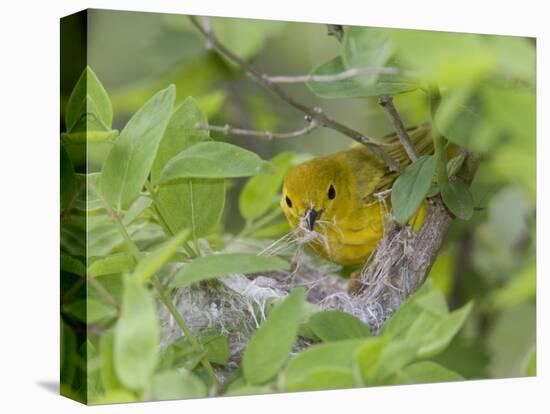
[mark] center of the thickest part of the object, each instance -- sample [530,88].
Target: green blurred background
[490,258]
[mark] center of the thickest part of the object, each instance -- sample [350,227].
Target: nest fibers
[236,304]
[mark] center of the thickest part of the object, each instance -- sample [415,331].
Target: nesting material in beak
[311,215]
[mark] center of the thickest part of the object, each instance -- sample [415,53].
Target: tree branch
[314,112]
[347,74]
[229,130]
[386,102]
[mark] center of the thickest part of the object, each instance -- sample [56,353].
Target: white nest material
[236,304]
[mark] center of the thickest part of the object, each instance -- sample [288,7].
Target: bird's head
[315,191]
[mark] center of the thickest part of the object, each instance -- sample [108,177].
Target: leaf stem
[134,251]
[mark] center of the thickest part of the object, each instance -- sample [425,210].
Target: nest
[236,304]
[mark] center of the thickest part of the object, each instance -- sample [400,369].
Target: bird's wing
[373,176]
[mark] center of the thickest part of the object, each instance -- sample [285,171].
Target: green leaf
[171,385]
[136,209]
[214,160]
[511,339]
[365,47]
[411,187]
[68,182]
[402,320]
[107,369]
[112,264]
[214,347]
[336,326]
[330,355]
[432,334]
[89,136]
[517,290]
[217,348]
[152,263]
[137,336]
[368,355]
[217,265]
[433,302]
[270,345]
[196,204]
[72,265]
[442,57]
[88,98]
[516,56]
[260,192]
[358,86]
[425,372]
[379,359]
[89,310]
[458,199]
[129,161]
[461,119]
[323,379]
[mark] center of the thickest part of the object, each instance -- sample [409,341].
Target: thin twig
[386,102]
[347,74]
[229,130]
[314,112]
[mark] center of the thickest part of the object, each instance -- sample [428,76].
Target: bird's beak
[311,215]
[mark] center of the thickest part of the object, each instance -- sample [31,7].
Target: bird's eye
[331,192]
[288,202]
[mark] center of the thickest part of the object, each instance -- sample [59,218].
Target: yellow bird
[333,200]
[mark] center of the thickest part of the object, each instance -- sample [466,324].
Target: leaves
[129,161]
[137,335]
[331,355]
[72,265]
[217,265]
[260,192]
[214,160]
[411,187]
[170,385]
[88,101]
[357,86]
[89,310]
[450,59]
[112,264]
[268,348]
[151,263]
[432,335]
[365,47]
[195,204]
[336,326]
[323,379]
[68,182]
[109,378]
[425,372]
[458,199]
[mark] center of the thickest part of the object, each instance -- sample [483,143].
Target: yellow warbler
[333,200]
